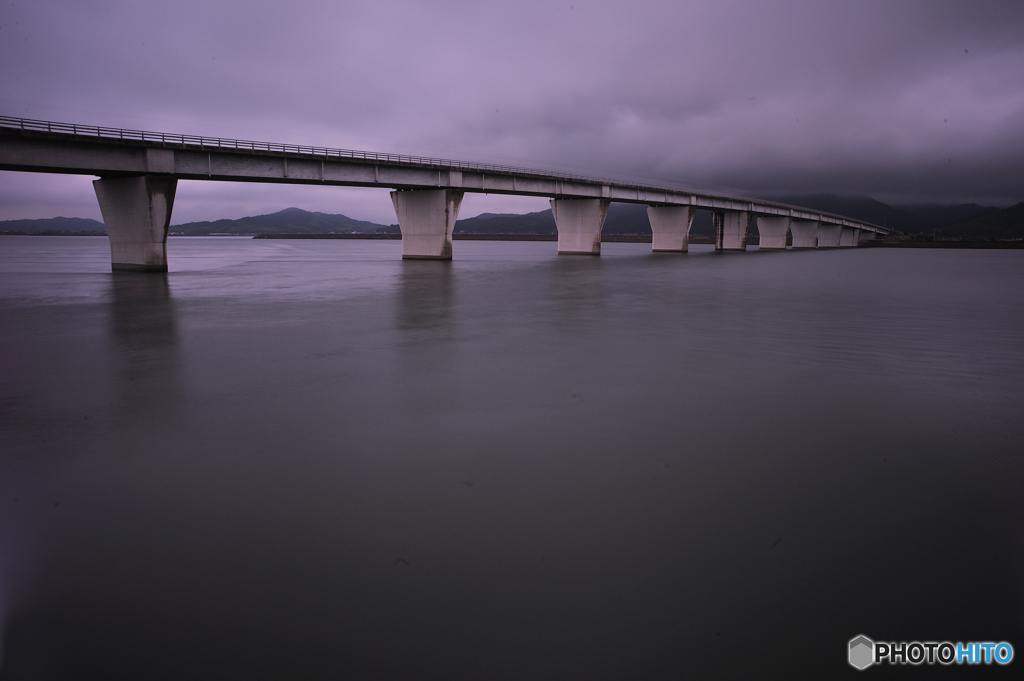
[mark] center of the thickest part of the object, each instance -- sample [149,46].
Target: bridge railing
[252,145]
[327,152]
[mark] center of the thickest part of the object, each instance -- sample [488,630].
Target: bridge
[138,173]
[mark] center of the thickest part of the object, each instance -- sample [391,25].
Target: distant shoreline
[605,238]
[880,243]
[26,233]
[646,239]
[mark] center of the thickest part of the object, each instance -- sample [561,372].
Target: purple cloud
[905,101]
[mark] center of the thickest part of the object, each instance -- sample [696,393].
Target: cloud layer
[905,101]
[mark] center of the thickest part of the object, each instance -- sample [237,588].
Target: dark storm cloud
[917,101]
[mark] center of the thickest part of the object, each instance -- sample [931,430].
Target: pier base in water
[773,233]
[731,230]
[137,212]
[829,236]
[427,219]
[579,223]
[670,227]
[805,233]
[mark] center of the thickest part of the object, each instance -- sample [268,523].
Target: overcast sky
[905,101]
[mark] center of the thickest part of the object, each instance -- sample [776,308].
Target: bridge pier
[579,223]
[829,235]
[849,237]
[731,230]
[805,233]
[670,227]
[426,218]
[137,212]
[773,232]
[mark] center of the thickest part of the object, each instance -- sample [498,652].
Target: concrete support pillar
[773,232]
[427,218]
[848,239]
[805,233]
[670,226]
[829,236]
[137,211]
[731,230]
[865,235]
[579,223]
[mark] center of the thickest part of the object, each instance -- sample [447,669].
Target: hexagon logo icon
[862,652]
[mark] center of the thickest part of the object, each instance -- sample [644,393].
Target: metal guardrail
[252,145]
[328,152]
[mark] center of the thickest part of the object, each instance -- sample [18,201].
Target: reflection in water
[425,296]
[425,327]
[516,465]
[576,289]
[144,344]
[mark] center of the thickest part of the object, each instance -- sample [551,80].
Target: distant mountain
[541,222]
[992,223]
[287,221]
[929,219]
[53,225]
[937,217]
[859,208]
[626,218]
[959,221]
[622,218]
[964,220]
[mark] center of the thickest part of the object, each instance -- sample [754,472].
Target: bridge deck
[49,147]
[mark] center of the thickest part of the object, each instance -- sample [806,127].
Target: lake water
[310,459]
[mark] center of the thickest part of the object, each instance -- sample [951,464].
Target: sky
[907,101]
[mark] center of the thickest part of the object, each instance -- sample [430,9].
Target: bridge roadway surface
[139,170]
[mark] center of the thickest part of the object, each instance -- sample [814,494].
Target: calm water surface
[310,459]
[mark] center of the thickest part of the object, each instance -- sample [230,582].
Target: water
[310,459]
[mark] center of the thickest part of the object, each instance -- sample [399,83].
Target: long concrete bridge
[138,174]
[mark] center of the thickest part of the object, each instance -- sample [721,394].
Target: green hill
[622,218]
[992,223]
[540,222]
[969,221]
[966,220]
[287,221]
[53,226]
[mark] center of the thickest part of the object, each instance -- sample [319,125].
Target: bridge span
[138,173]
